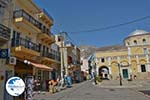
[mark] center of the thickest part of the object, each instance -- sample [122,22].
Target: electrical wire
[113,26]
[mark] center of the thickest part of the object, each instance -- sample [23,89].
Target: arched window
[144,41]
[135,42]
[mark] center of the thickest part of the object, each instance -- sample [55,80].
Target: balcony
[27,22]
[4,3]
[46,37]
[28,4]
[51,57]
[45,16]
[4,34]
[22,47]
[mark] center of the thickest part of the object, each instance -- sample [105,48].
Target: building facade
[6,70]
[25,33]
[131,60]
[70,57]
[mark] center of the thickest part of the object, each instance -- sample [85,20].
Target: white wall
[84,66]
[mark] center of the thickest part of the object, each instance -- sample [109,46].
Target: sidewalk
[125,84]
[62,90]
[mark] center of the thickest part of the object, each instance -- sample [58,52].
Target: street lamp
[27,63]
[62,64]
[120,78]
[95,74]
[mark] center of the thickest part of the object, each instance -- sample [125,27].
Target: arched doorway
[104,72]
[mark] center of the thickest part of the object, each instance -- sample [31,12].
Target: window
[145,50]
[1,10]
[143,68]
[128,43]
[59,39]
[135,42]
[144,41]
[102,60]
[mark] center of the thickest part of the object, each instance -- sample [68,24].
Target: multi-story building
[6,70]
[31,41]
[131,60]
[70,57]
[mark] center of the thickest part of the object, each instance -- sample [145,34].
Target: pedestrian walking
[68,81]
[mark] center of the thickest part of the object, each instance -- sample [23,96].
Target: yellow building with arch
[132,59]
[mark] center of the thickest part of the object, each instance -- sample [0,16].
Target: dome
[138,32]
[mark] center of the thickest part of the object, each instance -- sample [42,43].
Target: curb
[132,86]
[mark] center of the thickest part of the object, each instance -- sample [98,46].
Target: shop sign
[4,53]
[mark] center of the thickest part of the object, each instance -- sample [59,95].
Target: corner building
[132,59]
[32,40]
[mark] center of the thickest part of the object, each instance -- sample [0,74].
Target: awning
[41,66]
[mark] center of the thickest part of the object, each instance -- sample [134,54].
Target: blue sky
[79,15]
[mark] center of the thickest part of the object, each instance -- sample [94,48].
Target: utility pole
[120,78]
[62,65]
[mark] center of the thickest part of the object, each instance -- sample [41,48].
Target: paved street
[88,91]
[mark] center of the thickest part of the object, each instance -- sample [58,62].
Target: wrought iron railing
[52,54]
[28,17]
[4,31]
[32,20]
[47,14]
[25,43]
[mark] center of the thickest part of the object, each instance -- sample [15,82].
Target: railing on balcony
[25,43]
[4,31]
[52,55]
[22,13]
[47,14]
[4,3]
[28,17]
[46,30]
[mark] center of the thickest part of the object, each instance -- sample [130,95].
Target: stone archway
[104,72]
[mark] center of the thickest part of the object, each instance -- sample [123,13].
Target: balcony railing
[25,15]
[52,55]
[24,42]
[33,21]
[47,14]
[46,30]
[4,3]
[4,31]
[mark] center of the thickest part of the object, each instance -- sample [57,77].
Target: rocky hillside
[87,50]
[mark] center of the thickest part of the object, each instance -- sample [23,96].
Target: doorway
[125,73]
[104,72]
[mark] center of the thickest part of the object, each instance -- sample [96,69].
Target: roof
[138,32]
[112,48]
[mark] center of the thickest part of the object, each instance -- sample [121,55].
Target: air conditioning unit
[12,60]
